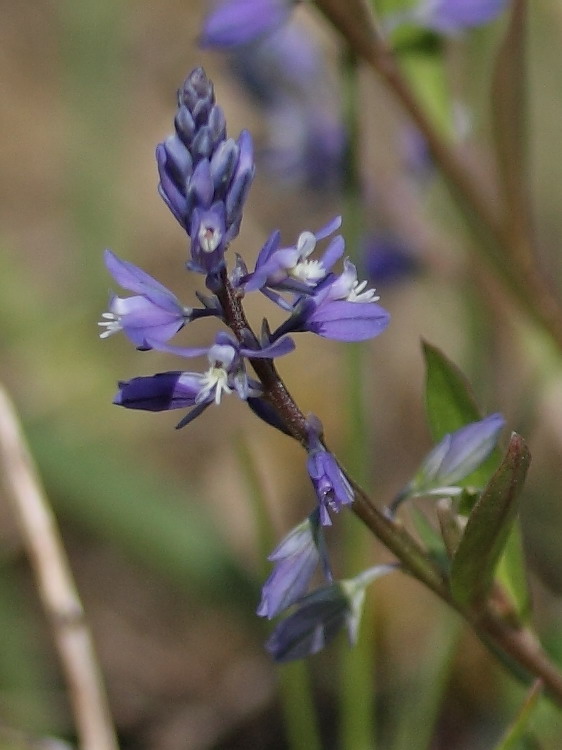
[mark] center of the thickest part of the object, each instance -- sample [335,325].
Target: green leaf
[488,527]
[450,404]
[511,572]
[430,538]
[450,401]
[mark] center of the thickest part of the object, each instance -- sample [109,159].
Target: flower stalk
[204,179]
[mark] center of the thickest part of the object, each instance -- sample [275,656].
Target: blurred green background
[159,525]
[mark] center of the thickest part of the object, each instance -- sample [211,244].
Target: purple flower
[290,268]
[458,455]
[453,459]
[295,561]
[330,483]
[341,309]
[205,176]
[321,615]
[306,146]
[236,22]
[168,390]
[177,390]
[285,74]
[154,313]
[389,259]
[450,16]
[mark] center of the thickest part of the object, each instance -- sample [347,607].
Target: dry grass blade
[56,586]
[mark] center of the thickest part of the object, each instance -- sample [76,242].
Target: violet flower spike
[295,561]
[154,312]
[290,268]
[321,615]
[237,22]
[205,176]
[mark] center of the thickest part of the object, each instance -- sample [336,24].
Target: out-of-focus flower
[389,260]
[295,561]
[205,176]
[236,22]
[415,155]
[285,74]
[450,16]
[453,459]
[321,615]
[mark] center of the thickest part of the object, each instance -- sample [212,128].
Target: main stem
[518,643]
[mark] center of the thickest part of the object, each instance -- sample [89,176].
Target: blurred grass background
[158,525]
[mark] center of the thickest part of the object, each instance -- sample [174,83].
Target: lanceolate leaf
[488,527]
[450,402]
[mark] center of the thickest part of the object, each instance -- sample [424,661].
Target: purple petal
[469,447]
[320,617]
[141,320]
[132,277]
[179,350]
[348,321]
[160,392]
[334,251]
[277,349]
[135,279]
[201,184]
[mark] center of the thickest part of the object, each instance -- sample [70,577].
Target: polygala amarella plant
[205,177]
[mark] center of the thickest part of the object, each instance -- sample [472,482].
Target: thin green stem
[298,707]
[357,683]
[295,689]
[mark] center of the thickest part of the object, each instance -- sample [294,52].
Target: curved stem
[512,256]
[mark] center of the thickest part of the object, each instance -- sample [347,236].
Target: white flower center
[216,378]
[356,293]
[111,323]
[309,271]
[209,238]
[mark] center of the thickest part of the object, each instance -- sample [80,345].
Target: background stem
[56,586]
